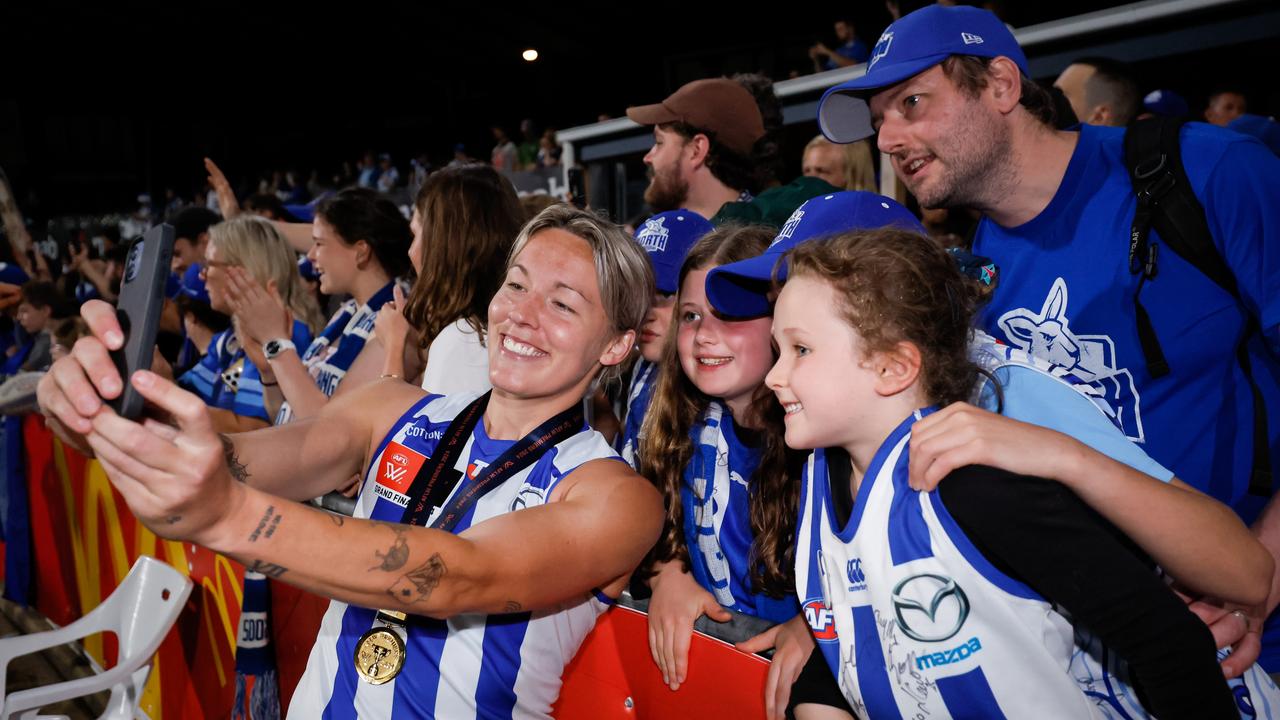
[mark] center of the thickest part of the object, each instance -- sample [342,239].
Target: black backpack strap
[1148,171]
[1166,202]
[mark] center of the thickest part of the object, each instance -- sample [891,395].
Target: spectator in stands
[850,51]
[534,203]
[65,332]
[388,177]
[460,156]
[200,322]
[527,150]
[1058,210]
[712,153]
[101,275]
[1224,106]
[367,171]
[848,167]
[504,156]
[18,392]
[713,446]
[548,149]
[191,236]
[41,305]
[360,246]
[268,206]
[1165,103]
[1101,91]
[666,239]
[225,378]
[464,222]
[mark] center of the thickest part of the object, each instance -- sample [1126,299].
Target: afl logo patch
[398,466]
[821,620]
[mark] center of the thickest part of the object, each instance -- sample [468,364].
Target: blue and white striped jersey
[331,353]
[715,495]
[226,378]
[643,379]
[912,618]
[468,666]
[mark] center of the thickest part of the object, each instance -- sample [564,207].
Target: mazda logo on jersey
[821,621]
[929,607]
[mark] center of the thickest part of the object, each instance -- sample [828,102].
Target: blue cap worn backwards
[741,289]
[667,238]
[908,47]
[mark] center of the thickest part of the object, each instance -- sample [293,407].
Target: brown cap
[719,105]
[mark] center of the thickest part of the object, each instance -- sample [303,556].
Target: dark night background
[100,103]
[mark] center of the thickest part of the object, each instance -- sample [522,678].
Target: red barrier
[84,540]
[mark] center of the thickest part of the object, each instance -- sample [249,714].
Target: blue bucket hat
[741,289]
[908,47]
[667,238]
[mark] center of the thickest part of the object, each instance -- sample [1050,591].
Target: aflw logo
[395,473]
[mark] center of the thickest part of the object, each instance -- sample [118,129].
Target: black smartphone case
[141,301]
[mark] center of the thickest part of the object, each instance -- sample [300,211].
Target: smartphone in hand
[146,269]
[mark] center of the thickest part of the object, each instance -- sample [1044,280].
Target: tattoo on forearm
[397,555]
[267,525]
[237,468]
[512,607]
[416,585]
[336,518]
[271,570]
[173,520]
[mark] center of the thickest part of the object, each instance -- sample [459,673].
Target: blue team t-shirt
[1066,295]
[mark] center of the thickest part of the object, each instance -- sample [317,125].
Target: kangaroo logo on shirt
[1047,335]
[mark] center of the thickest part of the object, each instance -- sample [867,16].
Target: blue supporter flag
[257,687]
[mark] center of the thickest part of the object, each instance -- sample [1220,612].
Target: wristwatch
[272,348]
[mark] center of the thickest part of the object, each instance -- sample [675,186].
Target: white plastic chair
[140,613]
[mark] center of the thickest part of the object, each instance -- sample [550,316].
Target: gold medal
[379,655]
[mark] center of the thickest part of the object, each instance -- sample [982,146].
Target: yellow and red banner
[84,540]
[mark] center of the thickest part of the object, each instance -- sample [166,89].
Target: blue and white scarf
[715,497]
[331,354]
[641,392]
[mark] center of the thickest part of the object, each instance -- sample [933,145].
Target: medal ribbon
[433,482]
[437,479]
